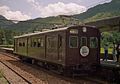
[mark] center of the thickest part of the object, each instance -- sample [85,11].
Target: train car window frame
[83,43]
[40,42]
[34,42]
[92,42]
[23,44]
[52,42]
[20,44]
[71,46]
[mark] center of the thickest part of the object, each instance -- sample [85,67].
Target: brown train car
[69,48]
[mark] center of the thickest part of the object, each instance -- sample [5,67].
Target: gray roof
[31,34]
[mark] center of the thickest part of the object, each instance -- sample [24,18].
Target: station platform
[110,64]
[8,50]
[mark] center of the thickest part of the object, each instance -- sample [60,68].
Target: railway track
[47,77]
[17,75]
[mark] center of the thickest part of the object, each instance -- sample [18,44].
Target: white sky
[30,9]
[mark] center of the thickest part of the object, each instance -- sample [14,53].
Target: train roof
[31,34]
[59,29]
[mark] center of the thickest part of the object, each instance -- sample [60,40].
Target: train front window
[73,41]
[93,42]
[83,41]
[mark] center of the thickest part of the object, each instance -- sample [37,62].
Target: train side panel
[83,47]
[55,47]
[21,46]
[36,47]
[49,47]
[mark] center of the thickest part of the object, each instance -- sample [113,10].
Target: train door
[73,47]
[61,48]
[51,48]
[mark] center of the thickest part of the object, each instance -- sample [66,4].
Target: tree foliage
[6,36]
[116,37]
[110,38]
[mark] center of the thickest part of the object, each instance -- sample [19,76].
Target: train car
[68,48]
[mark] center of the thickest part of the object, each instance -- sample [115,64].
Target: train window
[23,44]
[34,44]
[83,41]
[20,44]
[73,41]
[52,42]
[40,42]
[93,42]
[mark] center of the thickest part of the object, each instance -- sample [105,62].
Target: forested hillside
[101,11]
[43,23]
[8,29]
[4,22]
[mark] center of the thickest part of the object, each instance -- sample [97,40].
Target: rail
[15,73]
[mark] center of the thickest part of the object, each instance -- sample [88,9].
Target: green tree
[116,37]
[110,38]
[106,38]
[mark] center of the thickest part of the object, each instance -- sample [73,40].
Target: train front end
[83,48]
